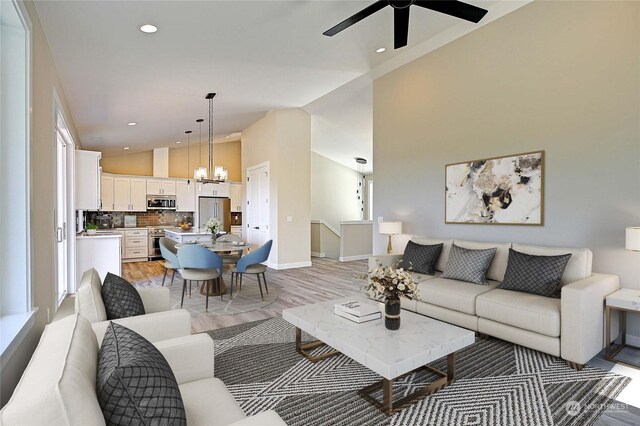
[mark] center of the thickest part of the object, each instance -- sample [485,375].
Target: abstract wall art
[496,191]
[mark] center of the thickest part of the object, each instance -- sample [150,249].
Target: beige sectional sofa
[59,385]
[571,327]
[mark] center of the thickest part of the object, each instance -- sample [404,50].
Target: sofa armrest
[384,260]
[582,316]
[154,299]
[190,357]
[266,418]
[153,327]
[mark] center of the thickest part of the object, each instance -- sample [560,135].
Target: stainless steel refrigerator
[209,207]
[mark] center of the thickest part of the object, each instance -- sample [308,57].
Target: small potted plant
[92,229]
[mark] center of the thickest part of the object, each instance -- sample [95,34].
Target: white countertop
[390,353]
[191,232]
[102,234]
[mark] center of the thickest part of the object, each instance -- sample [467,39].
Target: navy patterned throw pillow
[121,300]
[468,265]
[420,258]
[135,384]
[534,274]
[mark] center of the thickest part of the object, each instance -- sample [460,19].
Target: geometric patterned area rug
[497,383]
[246,300]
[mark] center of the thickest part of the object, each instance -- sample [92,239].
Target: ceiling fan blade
[458,9]
[367,11]
[400,27]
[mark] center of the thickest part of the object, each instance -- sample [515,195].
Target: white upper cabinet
[235,193]
[130,194]
[107,202]
[185,196]
[213,190]
[161,187]
[87,178]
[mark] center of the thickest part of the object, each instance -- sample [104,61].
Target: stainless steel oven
[161,202]
[155,233]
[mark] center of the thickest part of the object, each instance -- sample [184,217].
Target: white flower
[401,287]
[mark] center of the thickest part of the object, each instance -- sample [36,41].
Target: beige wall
[44,82]
[227,154]
[558,76]
[283,138]
[356,241]
[333,191]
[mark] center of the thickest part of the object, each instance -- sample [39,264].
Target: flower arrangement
[214,225]
[390,281]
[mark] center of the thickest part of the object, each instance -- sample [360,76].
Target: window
[15,250]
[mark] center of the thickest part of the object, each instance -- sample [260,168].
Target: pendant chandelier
[188,133]
[218,174]
[200,172]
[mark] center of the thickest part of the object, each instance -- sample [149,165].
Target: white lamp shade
[632,240]
[390,228]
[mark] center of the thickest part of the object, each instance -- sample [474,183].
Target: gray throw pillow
[420,258]
[121,300]
[534,274]
[135,384]
[468,265]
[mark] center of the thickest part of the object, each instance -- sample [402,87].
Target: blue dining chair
[170,255]
[251,264]
[199,264]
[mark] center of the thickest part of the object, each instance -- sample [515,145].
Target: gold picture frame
[505,190]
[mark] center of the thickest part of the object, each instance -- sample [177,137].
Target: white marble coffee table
[392,354]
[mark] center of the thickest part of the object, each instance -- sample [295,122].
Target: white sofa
[159,323]
[571,327]
[59,385]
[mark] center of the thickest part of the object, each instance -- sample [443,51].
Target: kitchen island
[100,251]
[194,235]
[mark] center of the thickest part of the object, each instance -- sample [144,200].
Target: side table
[624,300]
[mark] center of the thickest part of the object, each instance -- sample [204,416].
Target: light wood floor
[326,279]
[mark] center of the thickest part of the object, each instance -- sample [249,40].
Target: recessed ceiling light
[380,50]
[126,147]
[133,123]
[179,142]
[148,28]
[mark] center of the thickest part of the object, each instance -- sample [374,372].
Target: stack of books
[357,311]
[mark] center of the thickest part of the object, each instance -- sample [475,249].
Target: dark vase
[392,313]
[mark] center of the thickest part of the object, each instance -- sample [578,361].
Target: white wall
[558,76]
[333,191]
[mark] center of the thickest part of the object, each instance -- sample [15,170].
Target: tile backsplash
[145,218]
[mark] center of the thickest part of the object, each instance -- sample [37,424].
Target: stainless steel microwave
[161,202]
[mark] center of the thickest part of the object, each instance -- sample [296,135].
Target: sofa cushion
[451,294]
[578,267]
[135,383]
[534,274]
[121,300]
[523,310]
[88,301]
[58,386]
[199,413]
[418,278]
[468,265]
[444,254]
[420,258]
[500,260]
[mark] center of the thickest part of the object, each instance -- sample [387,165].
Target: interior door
[258,205]
[61,249]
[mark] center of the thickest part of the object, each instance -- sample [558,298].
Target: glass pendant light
[200,172]
[188,133]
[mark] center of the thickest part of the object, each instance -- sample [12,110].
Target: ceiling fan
[401,15]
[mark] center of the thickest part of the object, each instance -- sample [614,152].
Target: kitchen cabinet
[136,245]
[161,187]
[237,230]
[130,194]
[185,196]
[106,193]
[213,190]
[87,180]
[235,193]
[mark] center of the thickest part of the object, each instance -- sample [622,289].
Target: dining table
[218,247]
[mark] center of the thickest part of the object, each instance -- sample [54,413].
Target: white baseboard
[316,254]
[358,257]
[282,266]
